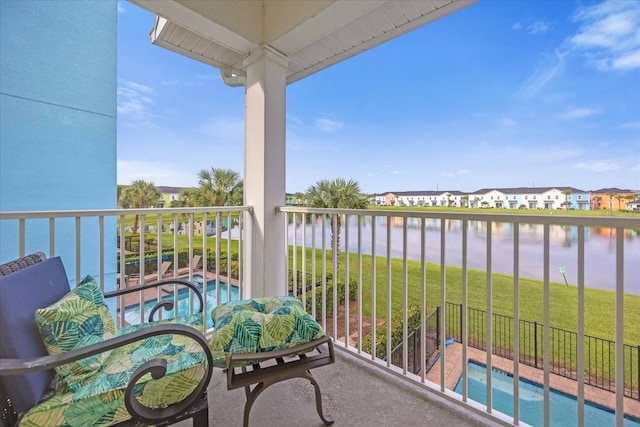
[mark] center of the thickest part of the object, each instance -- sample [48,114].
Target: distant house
[169,194]
[634,206]
[612,198]
[378,199]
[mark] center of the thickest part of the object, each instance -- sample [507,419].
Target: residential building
[496,198]
[612,198]
[169,194]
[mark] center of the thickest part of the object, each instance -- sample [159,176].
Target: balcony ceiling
[312,35]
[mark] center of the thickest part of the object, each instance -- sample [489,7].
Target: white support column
[264,171]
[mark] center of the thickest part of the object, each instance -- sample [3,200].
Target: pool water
[563,409]
[132,314]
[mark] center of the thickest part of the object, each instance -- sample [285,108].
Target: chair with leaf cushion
[151,374]
[264,341]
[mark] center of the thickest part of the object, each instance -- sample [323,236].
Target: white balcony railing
[403,264]
[92,242]
[448,266]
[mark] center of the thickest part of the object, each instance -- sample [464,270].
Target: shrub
[413,319]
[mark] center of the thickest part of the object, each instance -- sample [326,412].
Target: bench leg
[326,419]
[252,395]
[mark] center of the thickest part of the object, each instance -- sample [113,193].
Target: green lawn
[599,304]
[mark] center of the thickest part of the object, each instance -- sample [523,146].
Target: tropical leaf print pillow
[79,319]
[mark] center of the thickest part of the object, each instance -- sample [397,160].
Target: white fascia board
[198,24]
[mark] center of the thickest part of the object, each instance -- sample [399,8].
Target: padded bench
[264,341]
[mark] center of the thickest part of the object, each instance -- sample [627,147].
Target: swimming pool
[563,409]
[132,314]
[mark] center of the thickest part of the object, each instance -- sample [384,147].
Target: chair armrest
[156,367]
[158,283]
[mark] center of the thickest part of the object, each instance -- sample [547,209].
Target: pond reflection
[600,243]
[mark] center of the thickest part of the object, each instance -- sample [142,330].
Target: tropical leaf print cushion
[98,400]
[260,325]
[79,319]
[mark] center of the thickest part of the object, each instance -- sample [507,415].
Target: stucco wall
[58,120]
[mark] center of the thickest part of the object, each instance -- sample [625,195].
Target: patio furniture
[263,341]
[155,373]
[194,262]
[164,273]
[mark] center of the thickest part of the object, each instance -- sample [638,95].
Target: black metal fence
[414,343]
[599,353]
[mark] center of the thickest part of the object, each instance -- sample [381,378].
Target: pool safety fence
[599,352]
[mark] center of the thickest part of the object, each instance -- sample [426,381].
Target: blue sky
[499,94]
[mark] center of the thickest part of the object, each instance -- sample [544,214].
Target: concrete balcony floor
[354,393]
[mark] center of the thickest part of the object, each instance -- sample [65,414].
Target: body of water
[600,264]
[132,314]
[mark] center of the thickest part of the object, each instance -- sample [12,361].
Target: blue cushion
[21,293]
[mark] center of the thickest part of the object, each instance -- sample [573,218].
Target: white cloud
[121,8]
[598,166]
[609,35]
[505,121]
[537,27]
[516,26]
[636,168]
[458,172]
[627,61]
[177,82]
[294,121]
[629,125]
[327,125]
[577,113]
[159,173]
[537,154]
[227,128]
[134,101]
[542,75]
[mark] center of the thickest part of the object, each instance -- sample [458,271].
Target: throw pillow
[79,319]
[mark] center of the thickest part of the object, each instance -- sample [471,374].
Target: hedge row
[132,263]
[397,331]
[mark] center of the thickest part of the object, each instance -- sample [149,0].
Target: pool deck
[453,371]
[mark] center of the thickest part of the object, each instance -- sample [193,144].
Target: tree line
[224,187]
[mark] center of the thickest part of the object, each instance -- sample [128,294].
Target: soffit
[313,35]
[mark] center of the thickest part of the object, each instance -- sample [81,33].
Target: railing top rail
[588,221]
[118,212]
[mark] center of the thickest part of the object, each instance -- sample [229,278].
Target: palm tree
[218,187]
[611,196]
[620,197]
[338,193]
[140,194]
[189,197]
[566,203]
[465,201]
[596,202]
[300,201]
